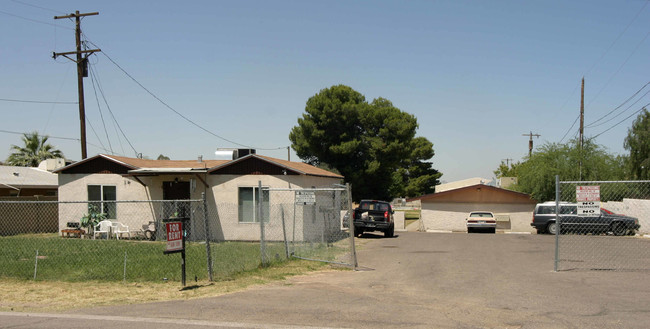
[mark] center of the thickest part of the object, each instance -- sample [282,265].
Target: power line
[612,111]
[619,114]
[618,123]
[617,38]
[35,21]
[117,124]
[53,137]
[174,110]
[34,101]
[39,7]
[567,132]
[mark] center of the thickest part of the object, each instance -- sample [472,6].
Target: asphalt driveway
[416,280]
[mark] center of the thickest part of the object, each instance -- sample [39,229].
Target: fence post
[207,235]
[557,221]
[260,217]
[351,226]
[284,229]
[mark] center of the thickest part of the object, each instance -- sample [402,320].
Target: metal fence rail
[587,240]
[47,240]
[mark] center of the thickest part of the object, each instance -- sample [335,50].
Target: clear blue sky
[476,74]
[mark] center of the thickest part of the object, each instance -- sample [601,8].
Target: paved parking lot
[421,280]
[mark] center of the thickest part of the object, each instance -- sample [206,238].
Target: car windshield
[480,214]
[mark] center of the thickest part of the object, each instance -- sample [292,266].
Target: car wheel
[551,228]
[390,232]
[494,230]
[619,229]
[469,230]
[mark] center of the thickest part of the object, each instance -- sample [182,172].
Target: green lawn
[76,260]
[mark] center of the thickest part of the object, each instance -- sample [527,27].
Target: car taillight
[386,216]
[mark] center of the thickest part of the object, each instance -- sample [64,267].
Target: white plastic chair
[119,228]
[103,227]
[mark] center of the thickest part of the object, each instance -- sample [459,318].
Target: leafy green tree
[35,150]
[372,145]
[162,157]
[536,175]
[507,170]
[638,143]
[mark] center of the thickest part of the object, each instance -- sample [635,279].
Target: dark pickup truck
[373,215]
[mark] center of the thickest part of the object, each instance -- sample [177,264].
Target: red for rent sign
[174,236]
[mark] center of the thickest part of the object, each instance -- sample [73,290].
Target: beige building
[230,188]
[447,210]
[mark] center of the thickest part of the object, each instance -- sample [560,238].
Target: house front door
[176,191]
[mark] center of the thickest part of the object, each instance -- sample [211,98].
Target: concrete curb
[517,232]
[439,231]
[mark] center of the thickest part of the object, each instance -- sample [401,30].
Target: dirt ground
[415,280]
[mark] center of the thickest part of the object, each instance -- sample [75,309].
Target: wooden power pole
[530,142]
[82,71]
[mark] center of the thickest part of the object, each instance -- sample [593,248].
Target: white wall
[222,195]
[451,216]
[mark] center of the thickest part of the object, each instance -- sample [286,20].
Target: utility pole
[507,162]
[582,124]
[530,142]
[82,71]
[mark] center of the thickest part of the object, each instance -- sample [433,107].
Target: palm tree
[35,150]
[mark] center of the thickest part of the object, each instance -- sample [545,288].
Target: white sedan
[481,220]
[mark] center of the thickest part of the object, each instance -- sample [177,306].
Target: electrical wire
[34,101]
[99,107]
[567,132]
[39,7]
[174,110]
[619,68]
[116,123]
[54,137]
[616,108]
[35,21]
[618,123]
[619,114]
[600,59]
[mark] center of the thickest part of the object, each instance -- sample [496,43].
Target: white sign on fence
[305,197]
[588,198]
[588,193]
[589,208]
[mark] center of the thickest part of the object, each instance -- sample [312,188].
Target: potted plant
[92,218]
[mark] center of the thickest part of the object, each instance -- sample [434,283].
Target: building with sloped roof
[230,188]
[27,181]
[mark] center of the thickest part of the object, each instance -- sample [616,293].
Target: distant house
[447,210]
[230,187]
[27,181]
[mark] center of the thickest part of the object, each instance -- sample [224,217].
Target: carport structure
[447,210]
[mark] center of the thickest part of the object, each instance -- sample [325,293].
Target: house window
[100,193]
[248,197]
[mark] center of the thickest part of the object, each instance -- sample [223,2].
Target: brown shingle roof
[302,167]
[138,164]
[146,163]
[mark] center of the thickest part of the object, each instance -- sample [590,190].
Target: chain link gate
[604,225]
[311,224]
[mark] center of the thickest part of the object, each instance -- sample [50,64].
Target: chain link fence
[312,223]
[604,225]
[50,240]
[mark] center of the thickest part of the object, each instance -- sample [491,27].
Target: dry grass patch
[49,296]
